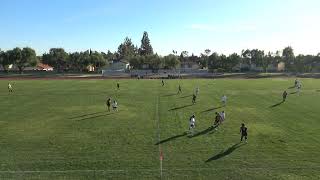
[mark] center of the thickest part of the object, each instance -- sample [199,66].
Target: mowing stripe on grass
[154,170]
[158,133]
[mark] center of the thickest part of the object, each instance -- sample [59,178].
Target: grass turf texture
[60,129]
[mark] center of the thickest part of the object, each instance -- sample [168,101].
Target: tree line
[143,57]
[20,57]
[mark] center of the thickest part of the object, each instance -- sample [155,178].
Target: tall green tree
[246,55]
[184,55]
[155,61]
[203,61]
[97,60]
[174,52]
[213,62]
[171,61]
[109,56]
[316,64]
[232,61]
[207,52]
[56,58]
[136,62]
[222,63]
[288,57]
[10,58]
[299,65]
[74,62]
[257,57]
[28,58]
[204,58]
[2,57]
[145,48]
[304,63]
[4,60]
[127,49]
[276,58]
[15,55]
[85,59]
[267,60]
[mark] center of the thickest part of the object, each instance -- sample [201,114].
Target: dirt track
[60,78]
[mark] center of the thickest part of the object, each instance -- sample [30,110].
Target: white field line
[154,170]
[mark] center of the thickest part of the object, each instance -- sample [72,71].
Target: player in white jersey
[10,88]
[224,100]
[115,105]
[192,123]
[299,86]
[197,91]
[223,116]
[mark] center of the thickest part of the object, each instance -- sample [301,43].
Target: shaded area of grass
[277,104]
[211,109]
[93,117]
[205,131]
[186,96]
[89,114]
[180,107]
[172,138]
[225,153]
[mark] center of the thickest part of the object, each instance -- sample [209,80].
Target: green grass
[59,129]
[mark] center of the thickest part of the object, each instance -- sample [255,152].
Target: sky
[223,26]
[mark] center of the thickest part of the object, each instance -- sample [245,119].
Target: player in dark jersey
[284,96]
[194,97]
[162,82]
[243,132]
[217,119]
[179,89]
[197,91]
[108,103]
[118,86]
[296,83]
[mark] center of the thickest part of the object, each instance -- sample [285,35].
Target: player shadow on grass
[186,96]
[181,107]
[167,95]
[211,109]
[294,92]
[209,129]
[92,117]
[171,138]
[225,153]
[291,87]
[84,115]
[275,105]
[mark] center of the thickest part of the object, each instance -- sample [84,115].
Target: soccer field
[60,129]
